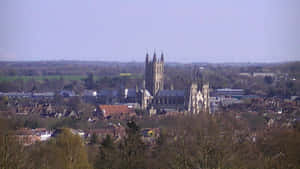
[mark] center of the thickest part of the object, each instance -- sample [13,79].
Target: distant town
[42,100]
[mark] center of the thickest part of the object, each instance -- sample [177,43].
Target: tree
[67,151]
[132,148]
[43,156]
[58,100]
[89,81]
[71,151]
[94,139]
[11,151]
[3,102]
[268,80]
[108,157]
[75,103]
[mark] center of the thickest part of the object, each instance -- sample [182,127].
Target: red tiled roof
[113,110]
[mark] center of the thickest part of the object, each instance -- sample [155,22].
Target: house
[228,92]
[89,93]
[263,74]
[245,74]
[43,133]
[116,132]
[30,136]
[43,95]
[78,132]
[67,93]
[116,111]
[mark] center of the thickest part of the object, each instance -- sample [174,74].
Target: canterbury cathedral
[194,99]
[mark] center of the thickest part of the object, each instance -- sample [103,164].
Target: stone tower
[206,103]
[192,99]
[154,74]
[197,75]
[144,99]
[197,101]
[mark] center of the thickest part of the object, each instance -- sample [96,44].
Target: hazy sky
[123,30]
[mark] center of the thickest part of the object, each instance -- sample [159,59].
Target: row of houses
[129,100]
[227,96]
[257,74]
[116,131]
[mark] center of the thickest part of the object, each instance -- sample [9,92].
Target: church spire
[162,57]
[144,85]
[147,57]
[154,57]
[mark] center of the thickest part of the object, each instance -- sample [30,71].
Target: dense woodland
[188,142]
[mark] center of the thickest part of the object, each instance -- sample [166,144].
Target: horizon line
[168,62]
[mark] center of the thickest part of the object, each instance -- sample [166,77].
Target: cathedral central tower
[154,74]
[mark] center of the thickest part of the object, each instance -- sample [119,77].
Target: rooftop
[111,110]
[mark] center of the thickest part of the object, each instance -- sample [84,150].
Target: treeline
[101,75]
[90,82]
[46,68]
[190,142]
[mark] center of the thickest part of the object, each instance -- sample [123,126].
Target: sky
[124,30]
